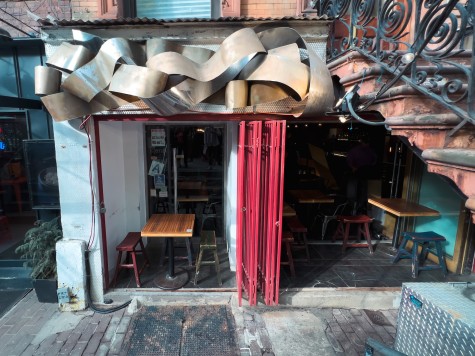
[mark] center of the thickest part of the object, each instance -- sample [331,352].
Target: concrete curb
[346,298]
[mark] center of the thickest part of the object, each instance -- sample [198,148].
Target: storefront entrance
[157,159]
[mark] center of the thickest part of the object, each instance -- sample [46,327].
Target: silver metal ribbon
[249,73]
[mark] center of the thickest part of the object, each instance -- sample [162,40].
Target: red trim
[240,211]
[101,200]
[189,117]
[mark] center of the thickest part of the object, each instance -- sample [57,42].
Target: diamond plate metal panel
[436,319]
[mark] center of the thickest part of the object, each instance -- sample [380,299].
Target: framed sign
[158,137]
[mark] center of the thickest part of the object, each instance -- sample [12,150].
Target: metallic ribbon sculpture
[273,71]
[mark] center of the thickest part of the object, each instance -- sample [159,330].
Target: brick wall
[15,13]
[270,8]
[89,10]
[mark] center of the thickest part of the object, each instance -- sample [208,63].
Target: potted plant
[39,249]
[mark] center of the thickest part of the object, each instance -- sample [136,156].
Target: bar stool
[4,223]
[343,230]
[287,239]
[208,242]
[422,239]
[299,231]
[129,246]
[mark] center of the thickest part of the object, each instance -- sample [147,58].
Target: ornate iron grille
[433,59]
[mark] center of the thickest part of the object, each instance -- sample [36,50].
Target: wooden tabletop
[288,211]
[189,185]
[310,196]
[402,207]
[193,199]
[169,225]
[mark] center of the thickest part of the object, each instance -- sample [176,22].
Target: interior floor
[327,267]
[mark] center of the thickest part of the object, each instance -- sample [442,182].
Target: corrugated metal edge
[147,21]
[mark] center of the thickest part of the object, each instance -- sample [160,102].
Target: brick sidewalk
[33,328]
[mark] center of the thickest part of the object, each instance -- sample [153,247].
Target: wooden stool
[287,239]
[129,246]
[423,239]
[208,242]
[299,231]
[343,230]
[4,223]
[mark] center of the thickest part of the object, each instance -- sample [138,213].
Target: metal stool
[208,242]
[423,239]
[343,230]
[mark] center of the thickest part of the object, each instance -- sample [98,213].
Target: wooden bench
[343,231]
[129,245]
[287,239]
[299,231]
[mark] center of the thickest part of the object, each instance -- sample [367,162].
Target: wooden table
[401,208]
[191,200]
[288,211]
[189,185]
[311,196]
[170,226]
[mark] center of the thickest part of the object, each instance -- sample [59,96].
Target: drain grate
[377,317]
[182,331]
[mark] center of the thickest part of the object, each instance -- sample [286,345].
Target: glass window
[7,68]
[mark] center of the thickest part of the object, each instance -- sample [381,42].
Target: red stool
[343,231]
[4,223]
[129,246]
[299,231]
[287,239]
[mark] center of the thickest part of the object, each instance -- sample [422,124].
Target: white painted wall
[232,130]
[72,158]
[123,157]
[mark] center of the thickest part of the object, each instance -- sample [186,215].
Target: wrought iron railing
[432,58]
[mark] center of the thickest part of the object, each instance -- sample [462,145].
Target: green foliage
[39,248]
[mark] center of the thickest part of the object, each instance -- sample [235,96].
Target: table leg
[173,279]
[397,232]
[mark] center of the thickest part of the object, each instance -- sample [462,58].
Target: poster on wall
[156,167]
[158,137]
[159,180]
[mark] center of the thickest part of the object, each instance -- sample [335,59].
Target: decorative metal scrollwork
[439,65]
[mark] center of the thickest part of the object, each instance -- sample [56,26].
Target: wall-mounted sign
[158,137]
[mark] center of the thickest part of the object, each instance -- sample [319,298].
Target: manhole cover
[377,317]
[182,331]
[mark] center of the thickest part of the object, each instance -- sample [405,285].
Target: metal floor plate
[182,331]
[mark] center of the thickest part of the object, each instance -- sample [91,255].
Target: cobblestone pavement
[33,328]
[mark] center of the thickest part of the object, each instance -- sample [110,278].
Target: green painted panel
[437,194]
